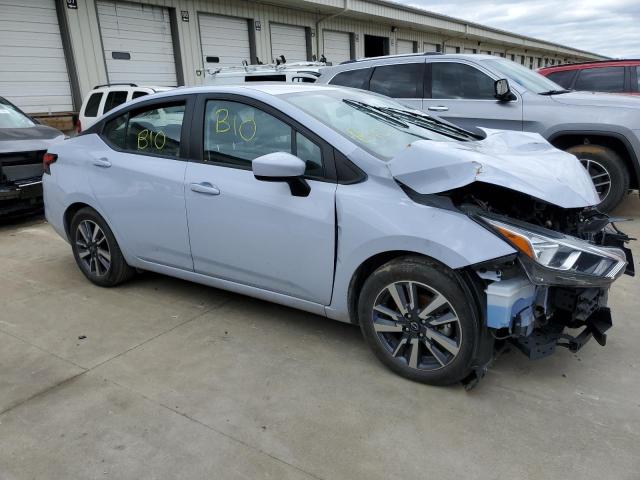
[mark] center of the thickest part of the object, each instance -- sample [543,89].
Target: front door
[254,232]
[137,176]
[402,81]
[464,95]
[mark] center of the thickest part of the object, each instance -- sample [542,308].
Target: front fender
[629,138]
[374,220]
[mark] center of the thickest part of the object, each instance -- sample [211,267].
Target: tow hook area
[543,341]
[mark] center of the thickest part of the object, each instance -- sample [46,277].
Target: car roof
[597,64]
[270,88]
[116,86]
[437,55]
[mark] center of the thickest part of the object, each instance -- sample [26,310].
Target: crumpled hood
[598,99]
[39,137]
[520,161]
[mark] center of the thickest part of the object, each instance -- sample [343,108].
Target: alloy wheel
[417,325]
[599,175]
[93,248]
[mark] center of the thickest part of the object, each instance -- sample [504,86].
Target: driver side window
[236,133]
[451,80]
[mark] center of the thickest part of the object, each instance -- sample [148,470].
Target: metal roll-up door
[290,41]
[33,71]
[225,39]
[404,46]
[337,46]
[430,47]
[137,42]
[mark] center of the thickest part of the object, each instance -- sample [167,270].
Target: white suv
[105,97]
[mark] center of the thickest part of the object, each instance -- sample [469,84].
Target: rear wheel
[96,251]
[608,172]
[418,321]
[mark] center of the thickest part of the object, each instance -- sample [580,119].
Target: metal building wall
[373,19]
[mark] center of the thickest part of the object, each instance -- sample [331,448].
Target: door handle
[439,108]
[101,162]
[205,187]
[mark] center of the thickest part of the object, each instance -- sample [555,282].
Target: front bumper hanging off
[543,340]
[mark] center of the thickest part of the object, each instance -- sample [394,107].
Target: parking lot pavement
[176,380]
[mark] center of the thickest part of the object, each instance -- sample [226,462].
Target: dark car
[613,76]
[23,143]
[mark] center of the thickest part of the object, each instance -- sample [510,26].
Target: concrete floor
[175,380]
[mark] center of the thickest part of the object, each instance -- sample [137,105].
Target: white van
[297,72]
[105,97]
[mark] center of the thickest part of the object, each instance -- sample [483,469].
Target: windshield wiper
[430,123]
[554,92]
[375,112]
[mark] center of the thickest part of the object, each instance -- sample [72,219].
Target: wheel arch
[613,140]
[70,212]
[368,266]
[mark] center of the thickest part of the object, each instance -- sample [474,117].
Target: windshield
[529,79]
[379,125]
[12,118]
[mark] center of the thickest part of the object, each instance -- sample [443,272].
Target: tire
[442,324]
[604,165]
[96,251]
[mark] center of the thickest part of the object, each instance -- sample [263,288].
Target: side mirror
[282,167]
[503,90]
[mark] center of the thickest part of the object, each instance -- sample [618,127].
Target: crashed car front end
[553,290]
[557,283]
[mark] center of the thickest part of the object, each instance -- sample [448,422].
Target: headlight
[558,259]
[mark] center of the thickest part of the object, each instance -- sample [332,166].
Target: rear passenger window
[151,131]
[114,98]
[564,79]
[138,94]
[91,110]
[605,79]
[398,81]
[353,78]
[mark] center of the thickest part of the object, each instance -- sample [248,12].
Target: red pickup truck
[614,76]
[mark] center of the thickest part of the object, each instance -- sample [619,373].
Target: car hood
[39,137]
[598,99]
[523,162]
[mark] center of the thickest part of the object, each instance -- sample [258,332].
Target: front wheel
[96,251]
[418,321]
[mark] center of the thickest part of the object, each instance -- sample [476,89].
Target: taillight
[78,126]
[47,160]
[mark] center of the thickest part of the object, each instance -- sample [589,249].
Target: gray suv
[602,130]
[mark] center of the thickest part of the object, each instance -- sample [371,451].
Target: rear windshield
[10,117]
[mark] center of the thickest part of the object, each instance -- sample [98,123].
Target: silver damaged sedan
[442,244]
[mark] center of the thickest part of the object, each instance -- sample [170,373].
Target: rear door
[138,180]
[463,94]
[253,232]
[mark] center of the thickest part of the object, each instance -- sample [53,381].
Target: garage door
[137,43]
[225,39]
[290,41]
[33,72]
[430,47]
[404,46]
[337,46]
